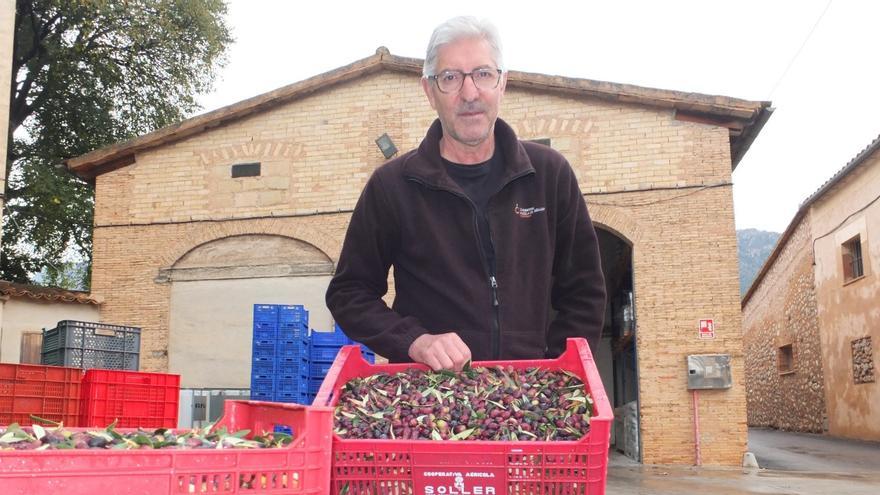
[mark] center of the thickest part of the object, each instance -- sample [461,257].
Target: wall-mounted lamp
[386,145]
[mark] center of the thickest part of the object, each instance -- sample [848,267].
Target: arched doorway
[213,289]
[616,356]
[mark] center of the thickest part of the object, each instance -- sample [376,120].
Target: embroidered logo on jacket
[526,212]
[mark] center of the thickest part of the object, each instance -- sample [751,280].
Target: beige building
[249,204]
[28,309]
[812,315]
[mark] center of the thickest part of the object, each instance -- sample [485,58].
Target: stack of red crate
[96,397]
[131,398]
[48,392]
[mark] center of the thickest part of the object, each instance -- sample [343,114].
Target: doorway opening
[616,356]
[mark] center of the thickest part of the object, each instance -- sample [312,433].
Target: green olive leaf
[462,434]
[39,431]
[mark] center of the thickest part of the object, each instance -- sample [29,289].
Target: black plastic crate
[85,344]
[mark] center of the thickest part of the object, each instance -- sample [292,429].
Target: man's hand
[444,351]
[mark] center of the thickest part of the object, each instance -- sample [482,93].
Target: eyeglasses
[451,81]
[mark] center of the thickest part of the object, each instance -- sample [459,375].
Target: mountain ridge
[753,247]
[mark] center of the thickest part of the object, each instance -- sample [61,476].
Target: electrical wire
[841,224]
[693,190]
[797,54]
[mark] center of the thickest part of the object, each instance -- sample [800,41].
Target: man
[488,235]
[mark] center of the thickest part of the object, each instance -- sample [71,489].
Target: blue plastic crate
[292,331]
[291,388]
[263,361]
[291,384]
[296,397]
[315,384]
[262,385]
[293,344]
[319,368]
[263,352]
[262,374]
[266,313]
[267,396]
[291,352]
[323,352]
[293,314]
[329,338]
[265,331]
[369,355]
[283,429]
[263,367]
[290,366]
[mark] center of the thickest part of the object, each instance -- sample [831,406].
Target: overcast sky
[823,79]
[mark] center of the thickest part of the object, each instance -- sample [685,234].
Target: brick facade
[661,184]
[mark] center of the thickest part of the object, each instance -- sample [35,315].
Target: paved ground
[791,464]
[786,451]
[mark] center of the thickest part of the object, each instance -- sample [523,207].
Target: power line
[791,62]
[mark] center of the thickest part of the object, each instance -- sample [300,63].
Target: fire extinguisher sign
[707,329]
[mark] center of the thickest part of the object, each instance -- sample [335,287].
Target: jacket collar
[426,165]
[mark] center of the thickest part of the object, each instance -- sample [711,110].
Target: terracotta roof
[802,211]
[13,289]
[843,172]
[744,118]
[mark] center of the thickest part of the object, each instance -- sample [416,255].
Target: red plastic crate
[303,467]
[362,467]
[49,392]
[132,398]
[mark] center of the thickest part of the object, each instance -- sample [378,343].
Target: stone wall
[782,311]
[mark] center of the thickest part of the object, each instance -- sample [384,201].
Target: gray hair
[459,28]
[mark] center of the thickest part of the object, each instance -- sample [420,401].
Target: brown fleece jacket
[414,217]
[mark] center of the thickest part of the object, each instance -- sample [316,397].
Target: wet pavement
[790,464]
[785,451]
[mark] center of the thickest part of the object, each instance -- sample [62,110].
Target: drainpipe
[699,461]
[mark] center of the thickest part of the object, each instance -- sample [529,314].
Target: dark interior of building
[618,342]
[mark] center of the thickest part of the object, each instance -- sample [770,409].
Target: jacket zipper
[495,334]
[493,282]
[495,337]
[496,327]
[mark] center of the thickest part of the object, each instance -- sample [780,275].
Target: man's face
[468,116]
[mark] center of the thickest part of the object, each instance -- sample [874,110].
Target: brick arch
[311,234]
[251,250]
[617,221]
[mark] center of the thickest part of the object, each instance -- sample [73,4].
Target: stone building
[811,316]
[249,204]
